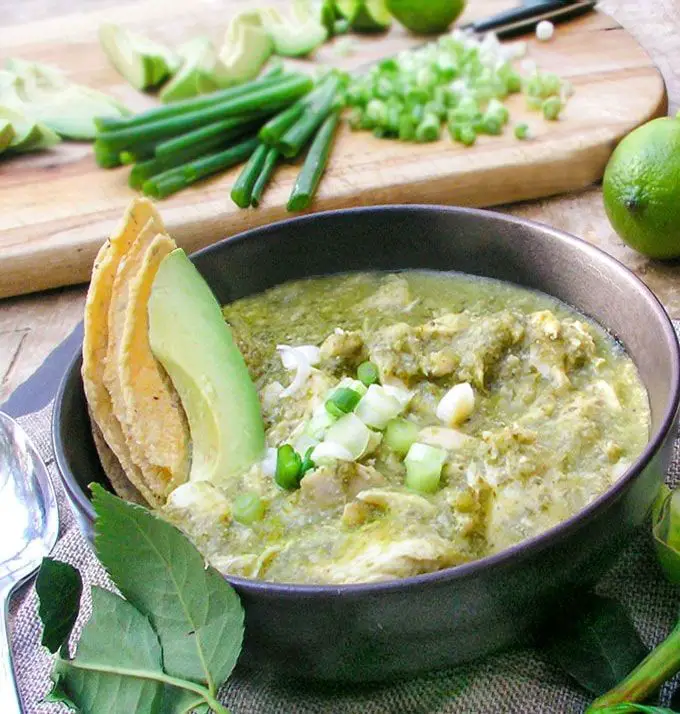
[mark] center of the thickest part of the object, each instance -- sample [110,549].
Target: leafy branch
[164,649]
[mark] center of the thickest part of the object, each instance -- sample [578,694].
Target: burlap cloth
[514,682]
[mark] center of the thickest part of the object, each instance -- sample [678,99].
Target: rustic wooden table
[31,326]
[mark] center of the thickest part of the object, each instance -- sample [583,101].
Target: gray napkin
[516,682]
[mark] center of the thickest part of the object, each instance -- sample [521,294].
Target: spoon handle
[9,697]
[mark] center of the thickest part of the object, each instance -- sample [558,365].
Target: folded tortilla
[131,400]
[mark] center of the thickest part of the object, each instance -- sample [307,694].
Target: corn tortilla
[113,470]
[96,334]
[161,456]
[154,419]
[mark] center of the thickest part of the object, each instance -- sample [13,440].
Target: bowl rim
[514,553]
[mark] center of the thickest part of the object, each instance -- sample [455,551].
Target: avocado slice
[189,337]
[71,112]
[293,37]
[36,76]
[199,58]
[44,94]
[6,134]
[141,61]
[245,50]
[29,135]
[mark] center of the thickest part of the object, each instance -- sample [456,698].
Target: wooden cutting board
[57,207]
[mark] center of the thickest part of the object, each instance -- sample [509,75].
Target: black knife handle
[518,21]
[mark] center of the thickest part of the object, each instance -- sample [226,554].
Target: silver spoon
[29,524]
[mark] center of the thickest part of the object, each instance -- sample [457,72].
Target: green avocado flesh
[559,414]
[189,337]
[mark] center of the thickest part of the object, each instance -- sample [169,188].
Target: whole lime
[641,188]
[426,16]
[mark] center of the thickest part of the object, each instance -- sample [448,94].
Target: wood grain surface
[57,207]
[31,326]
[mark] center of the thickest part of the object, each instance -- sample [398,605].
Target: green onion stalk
[663,662]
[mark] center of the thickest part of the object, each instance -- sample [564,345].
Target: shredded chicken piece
[333,485]
[384,560]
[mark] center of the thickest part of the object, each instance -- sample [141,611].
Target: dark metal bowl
[377,631]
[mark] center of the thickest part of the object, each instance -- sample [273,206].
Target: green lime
[426,17]
[641,188]
[365,15]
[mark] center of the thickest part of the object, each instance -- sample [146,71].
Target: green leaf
[116,665]
[59,588]
[629,708]
[666,531]
[195,613]
[181,701]
[597,645]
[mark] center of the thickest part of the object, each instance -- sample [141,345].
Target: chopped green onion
[522,131]
[376,112]
[368,373]
[165,184]
[307,463]
[316,112]
[160,178]
[498,110]
[417,96]
[393,119]
[146,169]
[265,174]
[355,119]
[407,128]
[454,74]
[550,84]
[342,401]
[242,190]
[188,105]
[463,133]
[320,422]
[248,508]
[106,158]
[288,467]
[140,153]
[377,407]
[351,434]
[400,434]
[315,164]
[466,110]
[429,129]
[270,97]
[552,107]
[424,467]
[435,108]
[513,82]
[276,127]
[425,78]
[218,132]
[490,125]
[208,165]
[354,384]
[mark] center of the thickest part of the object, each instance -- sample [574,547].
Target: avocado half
[189,337]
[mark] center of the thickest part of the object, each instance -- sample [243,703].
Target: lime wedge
[365,15]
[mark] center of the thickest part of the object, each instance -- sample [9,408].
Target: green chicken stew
[415,421]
